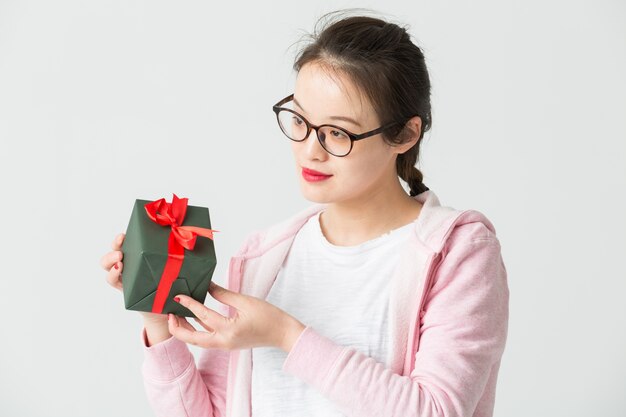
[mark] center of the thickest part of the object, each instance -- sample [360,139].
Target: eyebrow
[344,118]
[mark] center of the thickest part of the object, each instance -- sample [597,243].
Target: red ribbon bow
[181,238]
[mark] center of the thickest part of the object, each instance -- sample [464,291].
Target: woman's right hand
[112,262]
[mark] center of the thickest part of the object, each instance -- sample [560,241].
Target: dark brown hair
[380,58]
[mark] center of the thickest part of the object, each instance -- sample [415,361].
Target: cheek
[372,157]
[296,149]
[359,172]
[367,168]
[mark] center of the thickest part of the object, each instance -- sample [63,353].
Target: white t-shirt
[342,292]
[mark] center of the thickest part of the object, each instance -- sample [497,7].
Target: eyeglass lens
[334,140]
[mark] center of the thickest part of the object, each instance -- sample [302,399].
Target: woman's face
[368,169]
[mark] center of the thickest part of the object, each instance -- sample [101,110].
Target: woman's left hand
[256,323]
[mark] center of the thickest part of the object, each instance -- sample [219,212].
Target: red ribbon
[181,238]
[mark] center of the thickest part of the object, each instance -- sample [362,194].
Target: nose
[313,146]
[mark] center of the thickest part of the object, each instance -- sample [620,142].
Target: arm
[175,386]
[463,335]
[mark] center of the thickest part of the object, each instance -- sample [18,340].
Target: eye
[297,120]
[339,134]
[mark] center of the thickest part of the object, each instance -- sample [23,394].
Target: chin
[316,198]
[319,195]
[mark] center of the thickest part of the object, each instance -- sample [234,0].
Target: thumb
[224,295]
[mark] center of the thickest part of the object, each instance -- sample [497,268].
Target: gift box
[168,250]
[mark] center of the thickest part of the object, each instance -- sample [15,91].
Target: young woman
[371,302]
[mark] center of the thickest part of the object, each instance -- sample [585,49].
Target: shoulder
[442,225]
[473,225]
[471,258]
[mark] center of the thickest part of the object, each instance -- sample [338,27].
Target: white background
[103,102]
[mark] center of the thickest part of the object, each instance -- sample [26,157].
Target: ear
[413,125]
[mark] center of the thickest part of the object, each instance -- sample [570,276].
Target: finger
[228,297]
[109,259]
[180,321]
[114,276]
[191,336]
[117,241]
[205,326]
[211,318]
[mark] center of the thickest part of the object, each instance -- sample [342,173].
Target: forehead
[325,92]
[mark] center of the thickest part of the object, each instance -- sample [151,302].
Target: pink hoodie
[449,311]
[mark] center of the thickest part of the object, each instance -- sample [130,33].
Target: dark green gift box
[147,248]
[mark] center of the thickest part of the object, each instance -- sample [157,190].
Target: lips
[313,176]
[314,172]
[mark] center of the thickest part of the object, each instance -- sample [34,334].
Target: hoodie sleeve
[176,387]
[463,335]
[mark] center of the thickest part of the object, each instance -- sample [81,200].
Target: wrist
[153,317]
[156,331]
[292,332]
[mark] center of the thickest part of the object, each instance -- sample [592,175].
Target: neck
[354,221]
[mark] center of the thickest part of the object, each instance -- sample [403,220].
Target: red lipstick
[312,175]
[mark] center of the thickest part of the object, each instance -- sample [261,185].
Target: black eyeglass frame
[353,136]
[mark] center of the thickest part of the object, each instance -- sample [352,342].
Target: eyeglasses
[335,140]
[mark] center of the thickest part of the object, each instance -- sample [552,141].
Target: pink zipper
[234,277]
[432,270]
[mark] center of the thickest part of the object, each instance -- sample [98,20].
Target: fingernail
[177,299]
[116,266]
